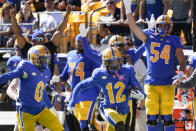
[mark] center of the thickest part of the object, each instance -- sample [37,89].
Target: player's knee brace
[120,126]
[167,120]
[152,120]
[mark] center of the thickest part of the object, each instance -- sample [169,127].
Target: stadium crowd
[118,84]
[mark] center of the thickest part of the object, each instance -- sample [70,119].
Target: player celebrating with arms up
[161,49]
[116,81]
[33,74]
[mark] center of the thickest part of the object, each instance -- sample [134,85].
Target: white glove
[54,79]
[179,76]
[54,111]
[136,94]
[184,99]
[83,30]
[151,24]
[127,4]
[71,110]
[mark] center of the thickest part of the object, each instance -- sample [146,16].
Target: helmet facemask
[113,64]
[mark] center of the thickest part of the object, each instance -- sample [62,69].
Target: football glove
[71,110]
[137,94]
[179,76]
[151,24]
[127,4]
[54,79]
[83,30]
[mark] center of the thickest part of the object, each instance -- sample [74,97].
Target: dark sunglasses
[38,39]
[111,2]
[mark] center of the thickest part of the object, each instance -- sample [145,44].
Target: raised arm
[92,54]
[132,23]
[16,29]
[58,34]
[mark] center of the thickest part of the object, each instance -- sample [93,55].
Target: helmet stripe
[46,50]
[163,19]
[112,52]
[116,38]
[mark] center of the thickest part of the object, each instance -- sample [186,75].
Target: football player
[78,68]
[161,49]
[33,74]
[116,81]
[130,56]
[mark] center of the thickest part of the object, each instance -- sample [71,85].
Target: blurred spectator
[182,18]
[15,2]
[49,20]
[75,4]
[62,5]
[5,30]
[25,16]
[112,16]
[156,7]
[38,38]
[2,2]
[36,5]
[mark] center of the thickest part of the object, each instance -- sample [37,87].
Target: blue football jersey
[78,68]
[160,53]
[115,91]
[31,85]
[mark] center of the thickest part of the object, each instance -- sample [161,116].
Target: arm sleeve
[11,75]
[93,55]
[64,75]
[189,83]
[47,100]
[81,86]
[138,53]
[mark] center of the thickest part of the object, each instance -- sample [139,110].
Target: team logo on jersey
[25,75]
[151,36]
[34,74]
[104,77]
[114,76]
[15,64]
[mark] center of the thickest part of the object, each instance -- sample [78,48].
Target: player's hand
[71,110]
[184,98]
[176,83]
[179,76]
[54,111]
[55,79]
[127,4]
[137,94]
[83,30]
[151,24]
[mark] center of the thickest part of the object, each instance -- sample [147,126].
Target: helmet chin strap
[121,78]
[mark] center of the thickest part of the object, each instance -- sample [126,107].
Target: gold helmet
[116,40]
[111,58]
[39,55]
[164,19]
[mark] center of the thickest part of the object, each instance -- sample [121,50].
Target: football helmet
[39,55]
[163,20]
[116,40]
[112,59]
